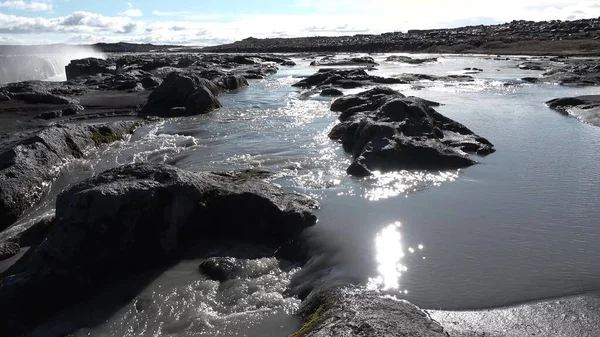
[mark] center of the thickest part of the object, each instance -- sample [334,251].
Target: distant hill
[120,47]
[577,37]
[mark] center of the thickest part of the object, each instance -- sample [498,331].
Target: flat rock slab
[562,317]
[139,217]
[349,312]
[585,108]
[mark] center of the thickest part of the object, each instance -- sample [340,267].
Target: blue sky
[206,22]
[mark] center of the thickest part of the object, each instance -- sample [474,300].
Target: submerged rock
[331,92]
[29,165]
[410,60]
[332,61]
[141,216]
[344,78]
[586,108]
[218,268]
[358,312]
[386,131]
[178,90]
[8,249]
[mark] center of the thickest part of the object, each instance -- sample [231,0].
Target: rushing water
[522,225]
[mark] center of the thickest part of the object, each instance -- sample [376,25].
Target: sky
[209,22]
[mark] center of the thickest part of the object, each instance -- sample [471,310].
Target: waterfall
[40,66]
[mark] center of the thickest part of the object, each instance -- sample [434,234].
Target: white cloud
[132,12]
[33,6]
[316,17]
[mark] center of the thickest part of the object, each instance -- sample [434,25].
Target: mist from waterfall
[24,63]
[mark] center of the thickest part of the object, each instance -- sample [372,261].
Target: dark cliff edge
[578,37]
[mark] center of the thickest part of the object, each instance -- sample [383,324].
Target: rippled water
[521,225]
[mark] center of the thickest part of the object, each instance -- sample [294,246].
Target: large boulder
[27,166]
[141,216]
[181,91]
[386,131]
[89,66]
[359,312]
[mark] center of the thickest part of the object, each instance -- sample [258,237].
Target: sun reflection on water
[389,257]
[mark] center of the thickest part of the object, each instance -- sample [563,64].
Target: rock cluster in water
[385,131]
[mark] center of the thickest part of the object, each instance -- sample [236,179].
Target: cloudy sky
[206,22]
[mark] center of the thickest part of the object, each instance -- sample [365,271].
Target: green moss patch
[310,323]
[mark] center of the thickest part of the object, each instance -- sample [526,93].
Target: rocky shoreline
[578,37]
[138,217]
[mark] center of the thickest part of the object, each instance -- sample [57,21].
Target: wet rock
[218,268]
[151,82]
[89,66]
[344,78]
[332,61]
[288,63]
[8,249]
[586,108]
[232,82]
[137,217]
[410,78]
[30,164]
[386,131]
[574,72]
[50,115]
[533,66]
[358,312]
[331,92]
[39,92]
[243,60]
[72,110]
[179,90]
[410,60]
[41,98]
[473,69]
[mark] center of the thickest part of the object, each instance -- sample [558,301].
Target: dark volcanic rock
[586,108]
[409,60]
[358,312]
[232,82]
[218,268]
[27,166]
[331,61]
[141,216]
[331,92]
[89,66]
[344,78]
[574,72]
[8,249]
[533,66]
[409,78]
[178,90]
[386,131]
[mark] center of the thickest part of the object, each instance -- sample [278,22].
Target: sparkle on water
[390,253]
